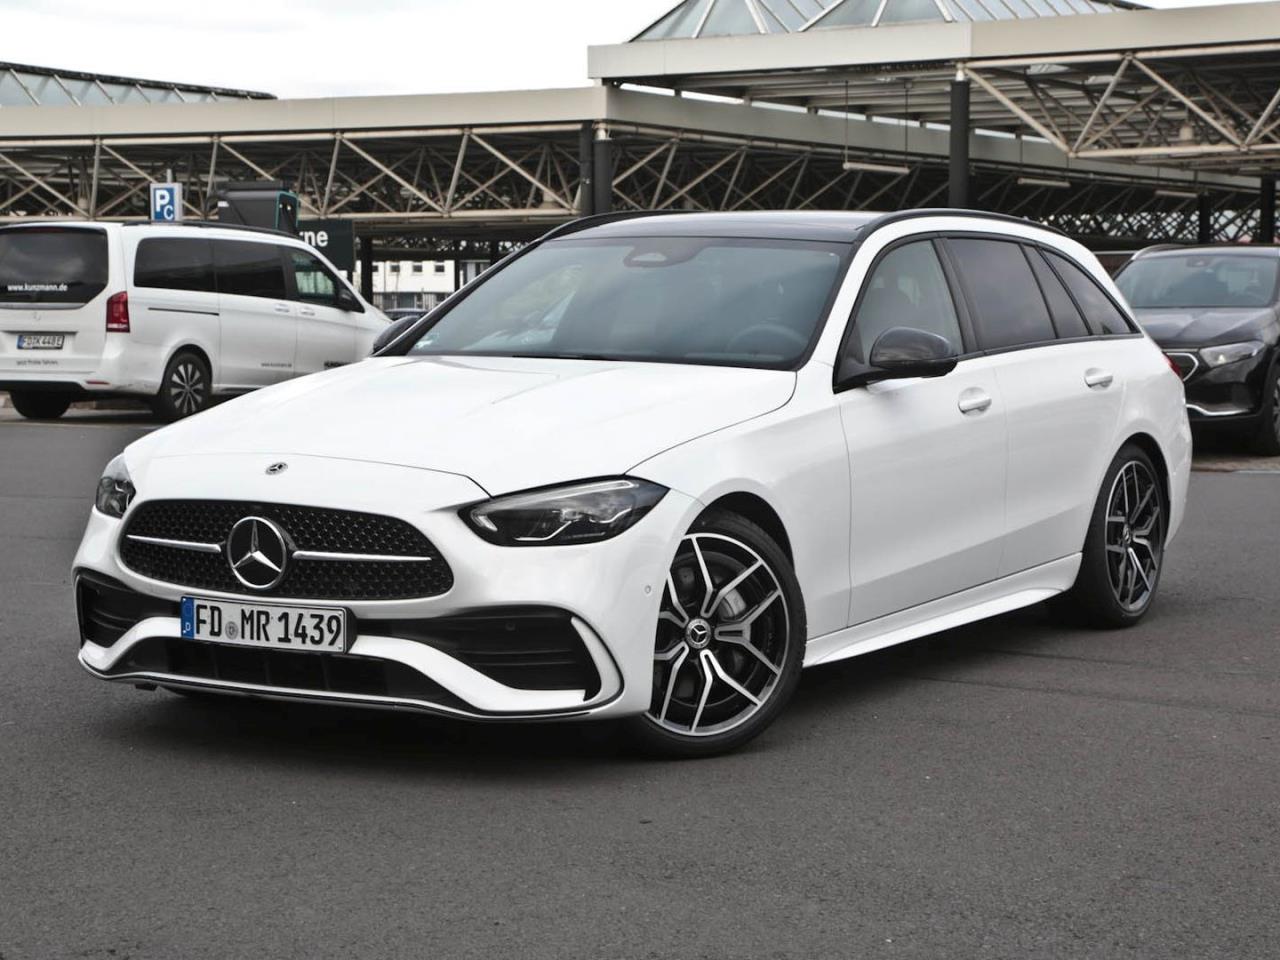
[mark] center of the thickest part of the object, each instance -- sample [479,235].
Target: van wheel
[40,406]
[185,389]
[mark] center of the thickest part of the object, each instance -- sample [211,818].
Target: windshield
[1200,280]
[52,265]
[736,302]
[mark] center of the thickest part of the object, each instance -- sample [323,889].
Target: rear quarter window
[1101,312]
[175,263]
[52,264]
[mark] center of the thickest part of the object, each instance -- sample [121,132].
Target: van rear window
[52,264]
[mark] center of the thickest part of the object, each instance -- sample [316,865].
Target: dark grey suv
[1213,310]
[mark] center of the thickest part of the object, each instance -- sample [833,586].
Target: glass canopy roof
[729,18]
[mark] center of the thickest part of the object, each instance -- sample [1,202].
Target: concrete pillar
[602,173]
[1267,210]
[958,192]
[586,193]
[366,268]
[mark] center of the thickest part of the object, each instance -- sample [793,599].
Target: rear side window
[1097,306]
[907,288]
[1062,308]
[312,280]
[52,265]
[175,263]
[249,269]
[1008,308]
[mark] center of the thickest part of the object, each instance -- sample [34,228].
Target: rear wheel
[730,641]
[1267,440]
[39,405]
[185,389]
[1124,549]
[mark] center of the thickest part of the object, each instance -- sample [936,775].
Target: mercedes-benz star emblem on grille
[258,553]
[277,468]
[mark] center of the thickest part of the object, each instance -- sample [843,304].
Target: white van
[176,314]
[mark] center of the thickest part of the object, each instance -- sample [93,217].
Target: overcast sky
[308,48]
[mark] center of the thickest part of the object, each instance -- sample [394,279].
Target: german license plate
[41,341]
[279,627]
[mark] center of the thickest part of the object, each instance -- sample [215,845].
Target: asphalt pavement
[1014,789]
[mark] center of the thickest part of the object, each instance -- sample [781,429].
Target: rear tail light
[1173,365]
[118,313]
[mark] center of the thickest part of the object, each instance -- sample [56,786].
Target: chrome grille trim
[178,544]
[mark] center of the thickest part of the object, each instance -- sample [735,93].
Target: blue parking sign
[166,202]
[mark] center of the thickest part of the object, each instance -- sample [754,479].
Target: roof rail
[209,223]
[900,215]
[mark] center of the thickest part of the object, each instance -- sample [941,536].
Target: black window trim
[968,342]
[1030,250]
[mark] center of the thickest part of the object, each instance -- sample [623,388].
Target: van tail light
[118,313]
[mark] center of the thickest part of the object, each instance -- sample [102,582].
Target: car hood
[505,423]
[1203,326]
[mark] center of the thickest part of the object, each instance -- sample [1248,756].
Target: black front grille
[529,648]
[316,672]
[107,609]
[309,528]
[1185,363]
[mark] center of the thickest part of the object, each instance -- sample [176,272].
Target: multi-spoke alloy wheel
[728,648]
[185,390]
[1133,535]
[1124,548]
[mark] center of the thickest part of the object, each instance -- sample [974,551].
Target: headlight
[115,489]
[578,513]
[1230,352]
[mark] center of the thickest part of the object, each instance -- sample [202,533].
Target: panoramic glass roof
[729,18]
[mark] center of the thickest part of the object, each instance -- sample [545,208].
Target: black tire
[185,389]
[1266,441]
[749,645]
[37,405]
[1124,550]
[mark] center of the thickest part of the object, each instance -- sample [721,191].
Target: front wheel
[1267,440]
[37,405]
[730,641]
[1124,550]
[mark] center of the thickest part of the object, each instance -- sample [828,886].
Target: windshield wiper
[563,356]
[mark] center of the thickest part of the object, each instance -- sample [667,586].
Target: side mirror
[902,352]
[347,301]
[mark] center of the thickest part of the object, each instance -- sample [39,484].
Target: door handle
[1096,379]
[307,312]
[282,308]
[973,400]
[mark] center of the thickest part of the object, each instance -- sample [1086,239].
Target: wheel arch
[758,511]
[199,351]
[1151,447]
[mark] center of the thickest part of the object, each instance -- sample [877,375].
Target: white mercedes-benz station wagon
[650,467]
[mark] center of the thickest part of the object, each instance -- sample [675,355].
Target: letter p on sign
[166,202]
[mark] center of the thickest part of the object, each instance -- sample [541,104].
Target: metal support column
[958,192]
[366,268]
[602,173]
[586,190]
[1204,219]
[1267,210]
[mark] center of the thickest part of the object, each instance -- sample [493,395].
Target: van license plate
[280,627]
[41,341]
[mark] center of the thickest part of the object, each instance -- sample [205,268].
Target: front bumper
[1223,395]
[607,594]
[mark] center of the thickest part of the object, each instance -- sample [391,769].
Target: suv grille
[361,536]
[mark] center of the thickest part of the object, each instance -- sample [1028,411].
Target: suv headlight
[115,489]
[1226,353]
[577,513]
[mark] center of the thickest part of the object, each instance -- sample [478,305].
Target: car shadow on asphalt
[402,743]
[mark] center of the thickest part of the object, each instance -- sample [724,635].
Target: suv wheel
[1267,440]
[185,389]
[40,405]
[730,641]
[1124,549]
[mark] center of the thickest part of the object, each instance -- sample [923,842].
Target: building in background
[419,284]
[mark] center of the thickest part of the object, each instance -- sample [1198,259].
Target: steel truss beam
[508,183]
